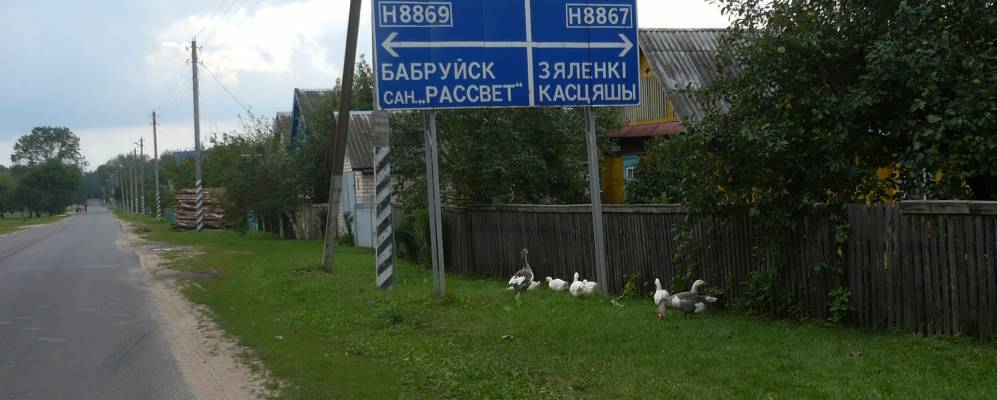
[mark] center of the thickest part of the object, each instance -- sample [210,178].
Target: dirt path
[208,359]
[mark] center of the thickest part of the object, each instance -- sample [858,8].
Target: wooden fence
[640,243]
[924,266]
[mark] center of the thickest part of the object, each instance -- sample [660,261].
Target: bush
[840,304]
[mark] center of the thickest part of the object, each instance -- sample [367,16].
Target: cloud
[267,40]
[680,14]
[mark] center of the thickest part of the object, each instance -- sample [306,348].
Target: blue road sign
[505,53]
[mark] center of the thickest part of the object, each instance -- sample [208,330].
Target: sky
[101,67]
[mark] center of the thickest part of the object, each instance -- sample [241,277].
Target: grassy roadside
[12,223]
[335,336]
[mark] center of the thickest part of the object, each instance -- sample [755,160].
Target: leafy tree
[655,180]
[45,144]
[534,156]
[48,187]
[48,170]
[7,187]
[311,152]
[826,93]
[261,176]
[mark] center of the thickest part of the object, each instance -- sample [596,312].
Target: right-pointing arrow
[626,45]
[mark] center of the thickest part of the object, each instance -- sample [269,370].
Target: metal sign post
[596,194]
[434,204]
[451,54]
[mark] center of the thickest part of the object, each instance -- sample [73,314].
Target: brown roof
[648,130]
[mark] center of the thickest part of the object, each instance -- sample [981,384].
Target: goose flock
[689,303]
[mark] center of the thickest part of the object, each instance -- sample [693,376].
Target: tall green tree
[47,143]
[48,170]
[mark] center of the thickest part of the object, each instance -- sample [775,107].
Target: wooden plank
[991,282]
[914,229]
[936,268]
[851,260]
[962,281]
[935,207]
[976,259]
[951,284]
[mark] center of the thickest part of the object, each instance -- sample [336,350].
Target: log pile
[186,210]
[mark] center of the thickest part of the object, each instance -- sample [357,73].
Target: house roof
[282,124]
[359,146]
[683,60]
[648,130]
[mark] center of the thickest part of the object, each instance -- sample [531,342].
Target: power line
[211,18]
[222,21]
[225,88]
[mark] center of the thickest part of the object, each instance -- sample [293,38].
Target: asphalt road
[75,321]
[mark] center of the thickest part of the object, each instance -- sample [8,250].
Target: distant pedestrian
[85,207]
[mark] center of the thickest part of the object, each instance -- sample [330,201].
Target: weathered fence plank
[930,268]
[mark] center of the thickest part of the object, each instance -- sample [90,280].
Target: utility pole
[141,175]
[197,140]
[155,166]
[337,145]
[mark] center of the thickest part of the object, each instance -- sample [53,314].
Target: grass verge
[12,223]
[337,337]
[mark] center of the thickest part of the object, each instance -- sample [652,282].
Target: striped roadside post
[385,240]
[200,205]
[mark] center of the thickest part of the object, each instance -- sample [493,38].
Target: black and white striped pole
[385,239]
[155,167]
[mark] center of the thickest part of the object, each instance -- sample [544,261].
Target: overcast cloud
[101,67]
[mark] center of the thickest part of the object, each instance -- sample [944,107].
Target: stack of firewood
[186,210]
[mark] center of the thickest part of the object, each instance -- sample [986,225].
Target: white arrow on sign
[390,45]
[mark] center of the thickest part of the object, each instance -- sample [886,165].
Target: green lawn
[336,336]
[15,222]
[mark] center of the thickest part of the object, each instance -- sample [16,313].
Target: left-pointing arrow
[390,45]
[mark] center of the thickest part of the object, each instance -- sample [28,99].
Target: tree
[828,93]
[48,170]
[48,187]
[534,156]
[7,186]
[258,173]
[46,144]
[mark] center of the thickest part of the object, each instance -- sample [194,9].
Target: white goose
[589,287]
[577,287]
[659,293]
[557,285]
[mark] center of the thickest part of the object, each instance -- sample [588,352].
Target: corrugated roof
[683,60]
[360,145]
